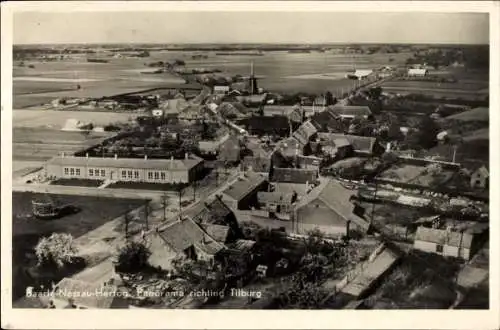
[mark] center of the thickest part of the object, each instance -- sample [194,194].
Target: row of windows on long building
[125,174]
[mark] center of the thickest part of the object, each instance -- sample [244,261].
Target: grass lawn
[77,182]
[27,230]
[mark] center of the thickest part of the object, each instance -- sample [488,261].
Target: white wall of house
[448,250]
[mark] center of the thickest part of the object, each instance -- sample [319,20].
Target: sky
[250,27]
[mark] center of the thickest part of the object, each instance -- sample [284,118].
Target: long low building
[125,169]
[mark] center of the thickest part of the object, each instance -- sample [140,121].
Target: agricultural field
[27,230]
[56,119]
[279,71]
[39,144]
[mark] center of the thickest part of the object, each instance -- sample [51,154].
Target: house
[339,148]
[329,209]
[126,169]
[350,111]
[297,114]
[290,147]
[327,121]
[362,145]
[293,175]
[229,150]
[276,202]
[188,239]
[445,242]
[413,72]
[213,216]
[279,110]
[211,147]
[266,125]
[73,293]
[242,194]
[305,133]
[480,178]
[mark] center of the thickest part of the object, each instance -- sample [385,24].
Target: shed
[445,242]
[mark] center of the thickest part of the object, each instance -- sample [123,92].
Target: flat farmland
[39,144]
[27,230]
[50,80]
[56,119]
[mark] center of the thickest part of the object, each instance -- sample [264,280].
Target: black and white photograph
[218,158]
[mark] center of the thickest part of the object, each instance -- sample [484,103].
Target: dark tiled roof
[294,175]
[304,133]
[350,110]
[139,163]
[217,232]
[327,120]
[443,237]
[243,186]
[359,143]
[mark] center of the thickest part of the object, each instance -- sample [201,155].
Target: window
[150,175]
[163,176]
[72,171]
[103,173]
[124,174]
[439,248]
[129,174]
[66,171]
[157,175]
[77,171]
[96,172]
[136,174]
[91,172]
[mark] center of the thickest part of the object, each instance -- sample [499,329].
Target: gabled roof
[305,131]
[341,142]
[217,232]
[444,237]
[289,147]
[336,197]
[359,143]
[350,110]
[185,233]
[327,120]
[244,185]
[294,175]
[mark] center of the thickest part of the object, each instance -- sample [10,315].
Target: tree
[132,257]
[426,137]
[329,98]
[58,250]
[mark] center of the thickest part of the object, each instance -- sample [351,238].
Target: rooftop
[359,143]
[294,175]
[139,163]
[337,198]
[444,237]
[350,110]
[305,131]
[244,185]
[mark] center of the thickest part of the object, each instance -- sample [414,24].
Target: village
[237,196]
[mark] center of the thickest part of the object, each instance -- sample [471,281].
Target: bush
[56,250]
[132,257]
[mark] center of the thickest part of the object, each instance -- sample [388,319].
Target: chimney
[307,187]
[186,156]
[62,154]
[87,155]
[116,156]
[145,157]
